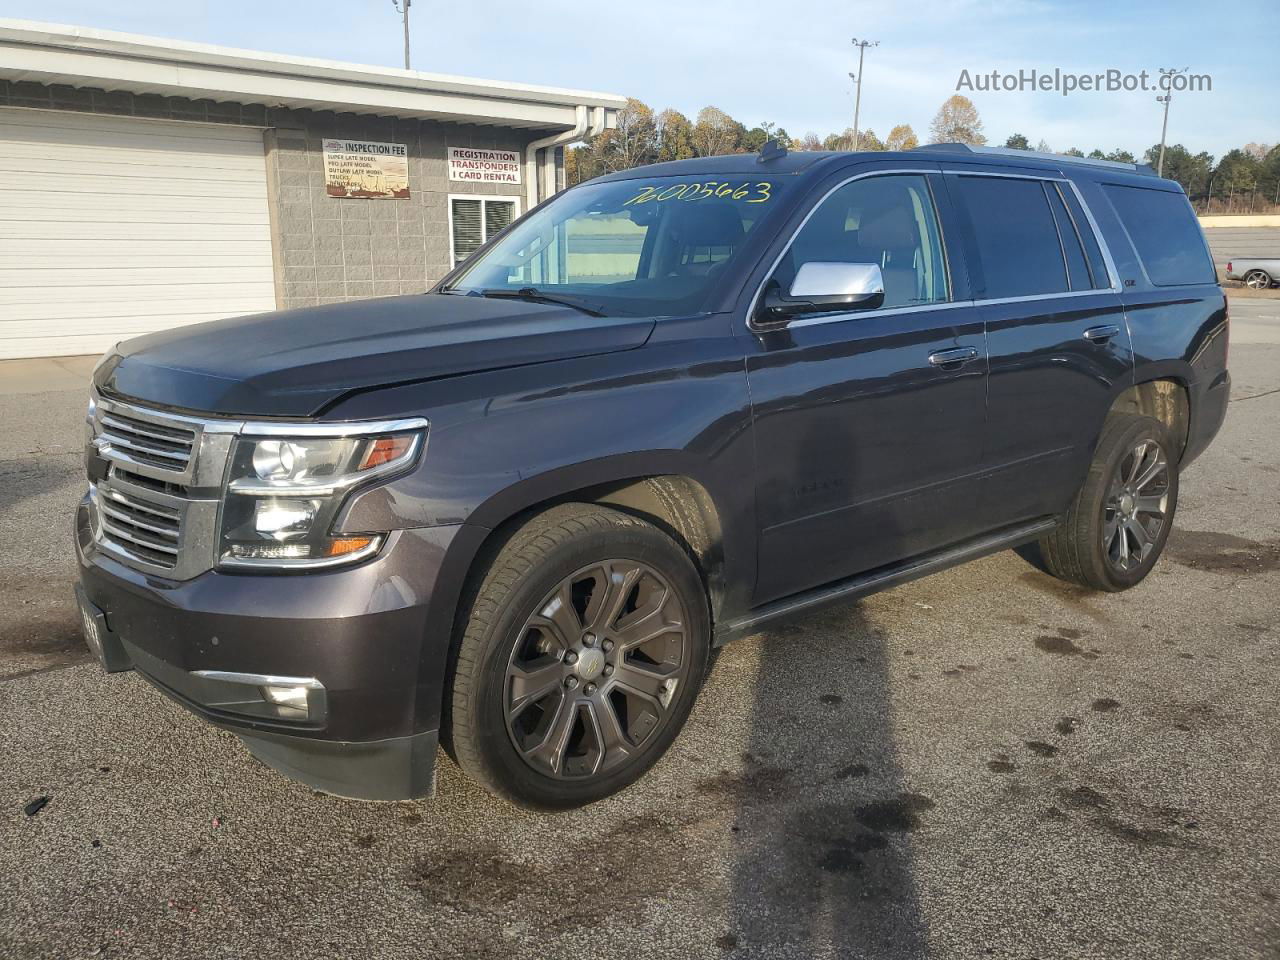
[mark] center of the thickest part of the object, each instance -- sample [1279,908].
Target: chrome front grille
[151,532]
[155,506]
[146,442]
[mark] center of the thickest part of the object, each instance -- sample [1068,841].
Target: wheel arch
[1167,399]
[660,490]
[675,500]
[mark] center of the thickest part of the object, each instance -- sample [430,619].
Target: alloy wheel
[1257,280]
[1136,507]
[594,671]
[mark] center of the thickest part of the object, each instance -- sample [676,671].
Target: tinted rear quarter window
[1097,264]
[1165,234]
[1016,236]
[1077,268]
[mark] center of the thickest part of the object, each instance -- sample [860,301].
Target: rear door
[868,423]
[1056,336]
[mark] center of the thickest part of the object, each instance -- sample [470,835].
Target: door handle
[1101,335]
[953,357]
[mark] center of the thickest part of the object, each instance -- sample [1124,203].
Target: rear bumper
[359,634]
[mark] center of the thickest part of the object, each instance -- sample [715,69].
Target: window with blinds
[473,220]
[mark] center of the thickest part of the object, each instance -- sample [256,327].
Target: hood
[297,362]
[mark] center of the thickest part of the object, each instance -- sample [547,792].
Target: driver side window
[885,220]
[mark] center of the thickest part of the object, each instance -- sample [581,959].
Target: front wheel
[586,645]
[1116,528]
[1257,279]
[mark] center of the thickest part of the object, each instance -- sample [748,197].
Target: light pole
[857,82]
[1168,96]
[404,15]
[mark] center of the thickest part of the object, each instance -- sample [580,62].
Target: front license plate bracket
[99,637]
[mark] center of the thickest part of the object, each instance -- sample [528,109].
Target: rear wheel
[1117,526]
[585,648]
[1257,279]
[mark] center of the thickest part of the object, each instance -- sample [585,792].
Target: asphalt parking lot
[986,763]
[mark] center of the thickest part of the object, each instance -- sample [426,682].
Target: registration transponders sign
[475,165]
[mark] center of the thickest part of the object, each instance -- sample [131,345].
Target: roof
[739,164]
[1014,155]
[798,162]
[104,59]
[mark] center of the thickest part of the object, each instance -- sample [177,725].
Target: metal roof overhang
[106,60]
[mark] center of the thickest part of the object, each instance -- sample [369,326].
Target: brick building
[151,183]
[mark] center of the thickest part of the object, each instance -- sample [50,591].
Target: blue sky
[787,62]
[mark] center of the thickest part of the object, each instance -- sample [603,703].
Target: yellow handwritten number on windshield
[760,192]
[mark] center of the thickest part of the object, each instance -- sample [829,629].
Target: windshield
[630,247]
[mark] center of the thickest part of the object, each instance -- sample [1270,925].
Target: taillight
[1230,268]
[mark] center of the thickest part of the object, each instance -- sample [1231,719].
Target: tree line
[643,136]
[1244,179]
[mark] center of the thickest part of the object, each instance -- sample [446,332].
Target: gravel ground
[986,763]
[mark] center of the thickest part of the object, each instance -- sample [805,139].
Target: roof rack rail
[1139,168]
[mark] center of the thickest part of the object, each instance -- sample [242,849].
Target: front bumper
[359,633]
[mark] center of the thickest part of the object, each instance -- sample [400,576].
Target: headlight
[284,493]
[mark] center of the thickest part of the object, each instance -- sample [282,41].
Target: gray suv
[512,517]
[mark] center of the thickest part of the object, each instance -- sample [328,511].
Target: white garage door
[112,227]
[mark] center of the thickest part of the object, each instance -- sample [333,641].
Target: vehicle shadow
[823,861]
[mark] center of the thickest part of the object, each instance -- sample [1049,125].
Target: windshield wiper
[534,295]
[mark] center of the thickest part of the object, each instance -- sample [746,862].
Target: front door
[869,423]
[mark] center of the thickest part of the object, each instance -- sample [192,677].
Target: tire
[1257,279]
[1113,533]
[555,702]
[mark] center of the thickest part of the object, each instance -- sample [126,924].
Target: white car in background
[1258,274]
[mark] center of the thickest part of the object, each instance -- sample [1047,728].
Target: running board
[882,579]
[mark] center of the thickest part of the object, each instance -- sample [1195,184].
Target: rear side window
[1077,269]
[1097,265]
[1165,234]
[1016,236]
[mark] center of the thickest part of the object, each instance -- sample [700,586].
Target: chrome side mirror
[821,287]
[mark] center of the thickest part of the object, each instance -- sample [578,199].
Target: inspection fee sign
[484,166]
[366,169]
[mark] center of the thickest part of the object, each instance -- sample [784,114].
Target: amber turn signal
[341,546]
[385,450]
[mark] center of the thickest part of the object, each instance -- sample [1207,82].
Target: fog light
[292,698]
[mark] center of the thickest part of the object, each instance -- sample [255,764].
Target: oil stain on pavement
[1222,552]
